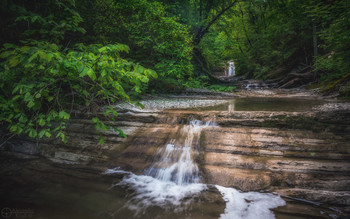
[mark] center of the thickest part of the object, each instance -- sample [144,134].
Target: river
[255,156]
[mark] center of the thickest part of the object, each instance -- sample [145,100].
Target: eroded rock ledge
[299,154]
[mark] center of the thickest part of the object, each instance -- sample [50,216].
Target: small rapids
[173,181]
[248,205]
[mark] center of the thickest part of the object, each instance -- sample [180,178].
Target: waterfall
[172,182]
[175,162]
[230,69]
[176,165]
[173,179]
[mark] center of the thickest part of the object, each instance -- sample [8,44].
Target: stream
[187,158]
[173,182]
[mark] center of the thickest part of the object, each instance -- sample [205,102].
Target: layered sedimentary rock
[300,154]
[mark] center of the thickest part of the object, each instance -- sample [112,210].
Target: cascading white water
[231,69]
[173,180]
[175,161]
[176,165]
[172,177]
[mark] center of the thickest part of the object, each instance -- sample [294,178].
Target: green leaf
[103,73]
[43,55]
[6,54]
[63,115]
[122,134]
[91,74]
[110,110]
[32,57]
[23,119]
[13,128]
[102,49]
[139,69]
[30,104]
[145,80]
[41,133]
[62,136]
[13,62]
[42,122]
[49,98]
[101,140]
[32,133]
[50,56]
[139,105]
[84,72]
[154,74]
[48,134]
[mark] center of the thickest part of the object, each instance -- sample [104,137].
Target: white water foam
[174,162]
[176,166]
[199,123]
[173,181]
[249,205]
[116,170]
[150,192]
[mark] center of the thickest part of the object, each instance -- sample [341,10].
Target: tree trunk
[314,39]
[205,29]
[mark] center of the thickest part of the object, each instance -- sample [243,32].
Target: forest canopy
[59,56]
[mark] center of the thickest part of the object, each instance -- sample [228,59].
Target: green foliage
[335,63]
[270,38]
[166,85]
[102,127]
[157,40]
[42,83]
[45,76]
[49,20]
[48,68]
[222,88]
[204,82]
[260,36]
[198,82]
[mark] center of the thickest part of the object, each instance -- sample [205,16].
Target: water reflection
[263,104]
[231,106]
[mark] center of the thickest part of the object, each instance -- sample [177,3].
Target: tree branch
[202,31]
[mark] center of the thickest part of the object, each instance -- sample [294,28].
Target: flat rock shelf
[193,157]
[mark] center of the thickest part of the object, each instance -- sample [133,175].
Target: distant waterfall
[230,69]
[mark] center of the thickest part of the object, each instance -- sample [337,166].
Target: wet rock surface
[301,151]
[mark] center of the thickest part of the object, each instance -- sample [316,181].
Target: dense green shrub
[335,62]
[44,76]
[41,83]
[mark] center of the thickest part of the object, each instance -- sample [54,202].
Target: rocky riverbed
[291,142]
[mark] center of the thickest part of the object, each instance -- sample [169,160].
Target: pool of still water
[49,190]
